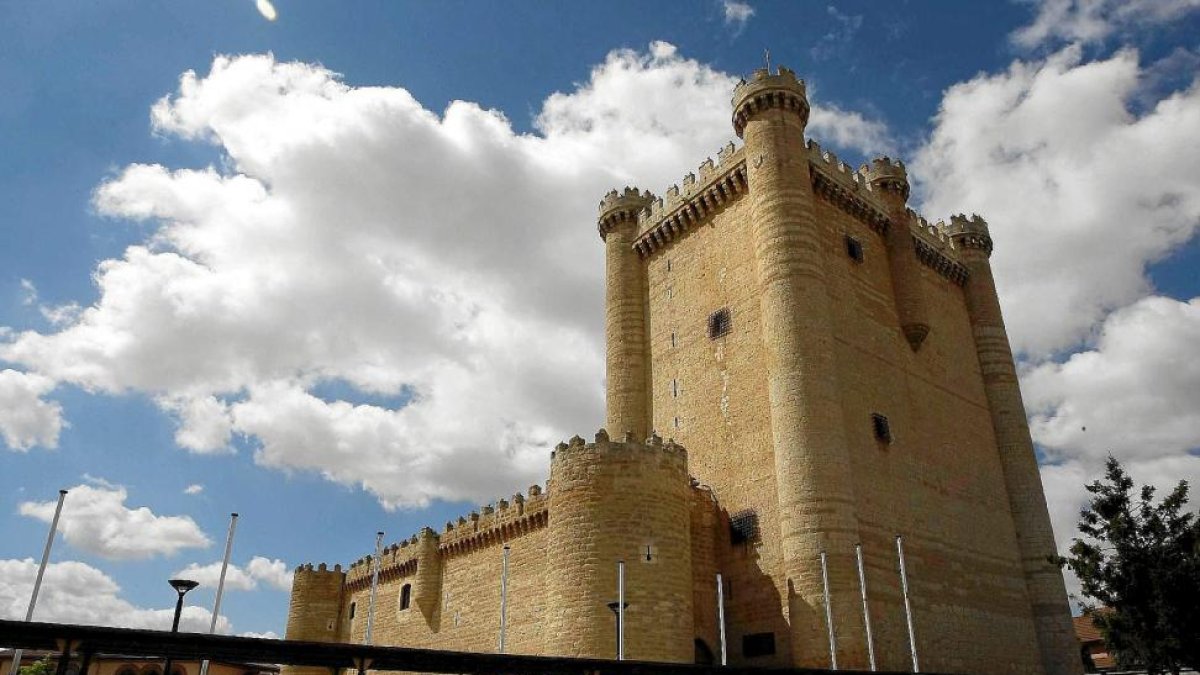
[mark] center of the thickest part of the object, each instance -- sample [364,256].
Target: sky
[334,266]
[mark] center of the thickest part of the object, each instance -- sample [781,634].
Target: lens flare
[266,9]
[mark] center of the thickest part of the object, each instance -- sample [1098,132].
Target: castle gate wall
[467,617]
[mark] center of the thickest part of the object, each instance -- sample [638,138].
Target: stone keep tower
[838,369]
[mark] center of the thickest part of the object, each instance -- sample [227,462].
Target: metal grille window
[883,429]
[720,323]
[743,526]
[854,249]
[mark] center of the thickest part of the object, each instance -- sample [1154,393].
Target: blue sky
[344,276]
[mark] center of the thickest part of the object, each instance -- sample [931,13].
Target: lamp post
[181,586]
[617,611]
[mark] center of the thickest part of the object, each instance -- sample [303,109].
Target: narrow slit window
[676,422]
[854,249]
[668,264]
[720,323]
[672,339]
[883,428]
[353,606]
[405,596]
[675,388]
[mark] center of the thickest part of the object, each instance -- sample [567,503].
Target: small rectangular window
[883,429]
[719,323]
[854,249]
[758,644]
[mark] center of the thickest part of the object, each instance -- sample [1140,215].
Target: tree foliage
[43,666]
[1140,562]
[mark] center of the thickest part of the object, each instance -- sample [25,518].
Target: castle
[838,371]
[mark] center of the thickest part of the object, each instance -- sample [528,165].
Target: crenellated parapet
[886,175]
[768,91]
[653,449]
[493,525]
[970,234]
[621,207]
[838,183]
[686,207]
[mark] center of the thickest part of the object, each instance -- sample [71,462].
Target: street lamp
[181,586]
[616,608]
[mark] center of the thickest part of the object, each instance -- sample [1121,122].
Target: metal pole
[212,626]
[721,615]
[374,586]
[862,585]
[912,638]
[829,613]
[37,582]
[174,629]
[621,610]
[503,597]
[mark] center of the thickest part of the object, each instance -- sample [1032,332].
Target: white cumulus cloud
[1081,192]
[439,260]
[26,420]
[272,572]
[193,489]
[95,519]
[1096,20]
[74,592]
[737,12]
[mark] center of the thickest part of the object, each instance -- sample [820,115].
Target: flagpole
[212,626]
[37,582]
[374,586]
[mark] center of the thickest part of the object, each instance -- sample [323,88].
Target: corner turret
[890,179]
[970,234]
[621,207]
[765,91]
[627,356]
[314,614]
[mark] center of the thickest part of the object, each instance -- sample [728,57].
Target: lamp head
[182,586]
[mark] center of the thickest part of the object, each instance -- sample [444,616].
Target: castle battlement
[690,205]
[322,568]
[654,446]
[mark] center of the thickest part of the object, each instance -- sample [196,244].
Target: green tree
[44,666]
[1140,562]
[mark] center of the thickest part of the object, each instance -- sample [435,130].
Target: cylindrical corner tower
[612,501]
[812,465]
[427,585]
[890,180]
[627,356]
[314,614]
[1027,500]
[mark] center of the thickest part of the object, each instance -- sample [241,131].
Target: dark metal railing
[72,641]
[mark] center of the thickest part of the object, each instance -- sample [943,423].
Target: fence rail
[71,640]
